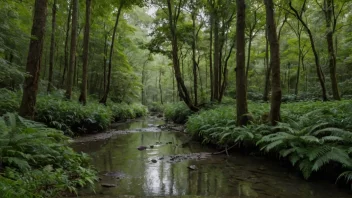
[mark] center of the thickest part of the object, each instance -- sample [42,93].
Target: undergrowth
[69,115]
[177,112]
[36,161]
[312,135]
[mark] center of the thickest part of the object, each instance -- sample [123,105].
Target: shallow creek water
[162,170]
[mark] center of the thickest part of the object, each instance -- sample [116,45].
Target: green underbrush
[312,136]
[36,161]
[69,115]
[177,112]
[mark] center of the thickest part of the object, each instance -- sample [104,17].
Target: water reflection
[135,175]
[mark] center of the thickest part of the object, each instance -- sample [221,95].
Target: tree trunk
[183,92]
[83,97]
[316,57]
[107,89]
[268,69]
[194,60]
[105,55]
[52,47]
[160,88]
[216,58]
[73,49]
[30,87]
[274,62]
[241,90]
[299,62]
[329,6]
[211,75]
[66,43]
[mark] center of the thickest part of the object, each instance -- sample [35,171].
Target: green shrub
[9,101]
[156,107]
[36,161]
[71,115]
[123,111]
[177,112]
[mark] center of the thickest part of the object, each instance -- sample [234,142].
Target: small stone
[192,167]
[141,148]
[154,160]
[106,185]
[161,158]
[151,146]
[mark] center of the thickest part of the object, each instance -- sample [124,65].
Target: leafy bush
[9,101]
[177,112]
[36,161]
[71,115]
[123,111]
[156,107]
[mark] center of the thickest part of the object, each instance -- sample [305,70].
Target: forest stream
[170,168]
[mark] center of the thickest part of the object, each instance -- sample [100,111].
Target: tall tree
[83,97]
[70,72]
[107,89]
[173,12]
[331,21]
[66,42]
[274,62]
[315,52]
[241,89]
[52,47]
[30,90]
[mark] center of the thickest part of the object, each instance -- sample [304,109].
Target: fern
[347,175]
[336,155]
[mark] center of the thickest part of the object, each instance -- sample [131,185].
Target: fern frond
[318,152]
[306,168]
[294,158]
[335,154]
[331,138]
[317,126]
[347,175]
[272,145]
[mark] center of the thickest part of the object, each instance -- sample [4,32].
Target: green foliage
[156,107]
[123,111]
[9,101]
[36,161]
[177,112]
[71,115]
[311,134]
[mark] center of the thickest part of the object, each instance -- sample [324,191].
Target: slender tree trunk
[211,75]
[249,54]
[216,57]
[83,97]
[30,87]
[73,49]
[274,62]
[66,43]
[329,6]
[105,55]
[160,88]
[107,89]
[183,92]
[52,48]
[268,69]
[299,62]
[241,90]
[194,60]
[319,71]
